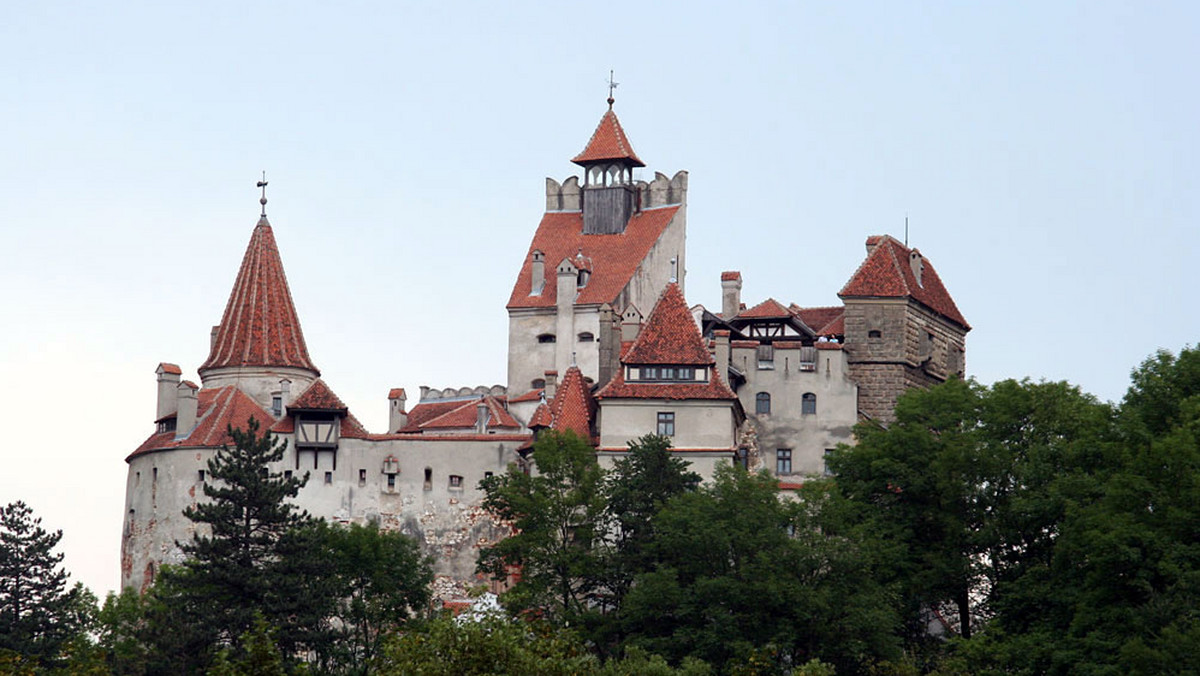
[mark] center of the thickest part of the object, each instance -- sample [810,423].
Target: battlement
[661,192]
[450,393]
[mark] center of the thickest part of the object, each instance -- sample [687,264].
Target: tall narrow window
[783,461]
[666,424]
[362,477]
[762,402]
[808,404]
[827,470]
[200,476]
[428,478]
[277,406]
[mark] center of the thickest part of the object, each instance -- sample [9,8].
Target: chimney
[731,294]
[186,420]
[568,277]
[605,348]
[873,242]
[397,416]
[539,273]
[918,265]
[551,384]
[168,381]
[721,338]
[481,416]
[631,324]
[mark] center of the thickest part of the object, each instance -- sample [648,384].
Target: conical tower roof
[260,326]
[608,142]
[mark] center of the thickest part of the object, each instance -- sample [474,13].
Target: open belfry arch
[601,342]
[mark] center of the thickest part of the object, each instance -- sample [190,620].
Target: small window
[428,478]
[276,406]
[808,404]
[783,461]
[762,402]
[875,333]
[766,357]
[391,482]
[329,477]
[546,338]
[362,477]
[487,475]
[154,476]
[581,279]
[455,481]
[828,453]
[287,474]
[586,337]
[666,424]
[200,476]
[538,383]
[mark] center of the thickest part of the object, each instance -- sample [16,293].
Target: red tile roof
[614,258]
[216,410]
[827,345]
[169,368]
[260,326]
[669,335]
[397,393]
[348,428]
[318,397]
[542,417]
[531,395]
[573,407]
[730,275]
[457,414]
[886,273]
[608,142]
[768,309]
[819,319]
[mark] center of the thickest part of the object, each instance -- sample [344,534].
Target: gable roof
[573,406]
[886,273]
[457,414]
[768,309]
[260,326]
[318,397]
[608,142]
[216,410]
[669,335]
[825,321]
[614,258]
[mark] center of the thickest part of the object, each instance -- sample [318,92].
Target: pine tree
[36,608]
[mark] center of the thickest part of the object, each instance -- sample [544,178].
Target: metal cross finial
[263,200]
[611,86]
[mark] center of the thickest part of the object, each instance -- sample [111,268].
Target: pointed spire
[608,142]
[669,335]
[573,406]
[260,326]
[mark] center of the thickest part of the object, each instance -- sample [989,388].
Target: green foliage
[557,514]
[40,618]
[256,654]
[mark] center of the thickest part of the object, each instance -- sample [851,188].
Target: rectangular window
[362,477]
[828,452]
[783,461]
[276,406]
[487,475]
[766,357]
[455,481]
[329,477]
[391,482]
[287,474]
[200,476]
[666,424]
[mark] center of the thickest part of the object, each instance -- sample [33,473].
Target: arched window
[586,337]
[538,383]
[762,402]
[546,338]
[808,404]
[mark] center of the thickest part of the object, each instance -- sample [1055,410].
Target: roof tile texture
[260,326]
[669,335]
[216,410]
[887,273]
[608,142]
[573,406]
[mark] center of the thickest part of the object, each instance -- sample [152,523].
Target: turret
[610,197]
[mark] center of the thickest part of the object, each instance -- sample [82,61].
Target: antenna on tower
[263,200]
[905,229]
[612,84]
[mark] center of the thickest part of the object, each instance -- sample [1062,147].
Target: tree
[260,554]
[383,580]
[557,515]
[39,616]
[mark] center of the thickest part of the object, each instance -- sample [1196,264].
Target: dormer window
[666,373]
[581,279]
[315,430]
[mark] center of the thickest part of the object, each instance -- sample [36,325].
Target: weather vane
[263,200]
[612,84]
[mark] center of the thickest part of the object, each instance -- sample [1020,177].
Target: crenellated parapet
[432,394]
[660,192]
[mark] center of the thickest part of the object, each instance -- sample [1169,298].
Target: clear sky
[1045,154]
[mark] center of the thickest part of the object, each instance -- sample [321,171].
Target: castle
[601,341]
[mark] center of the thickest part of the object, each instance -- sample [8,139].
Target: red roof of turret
[216,410]
[260,326]
[887,273]
[614,258]
[542,417]
[669,335]
[573,405]
[608,142]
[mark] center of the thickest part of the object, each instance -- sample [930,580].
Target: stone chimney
[568,277]
[606,349]
[917,263]
[538,268]
[168,381]
[731,294]
[482,414]
[187,406]
[285,395]
[721,355]
[397,416]
[551,384]
[872,242]
[631,324]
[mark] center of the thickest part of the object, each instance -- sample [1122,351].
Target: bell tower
[609,195]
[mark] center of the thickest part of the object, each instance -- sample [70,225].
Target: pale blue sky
[1045,154]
